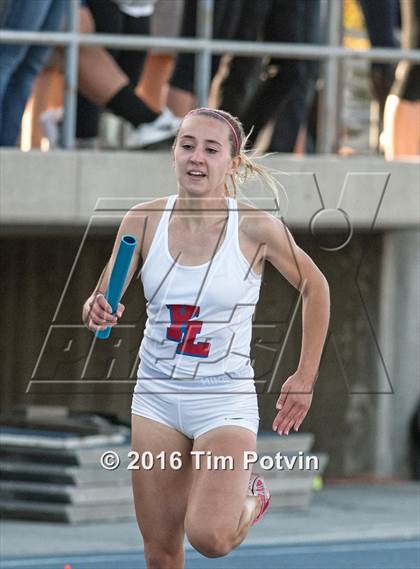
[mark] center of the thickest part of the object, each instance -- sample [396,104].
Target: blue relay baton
[117,278]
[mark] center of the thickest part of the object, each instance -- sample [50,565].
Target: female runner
[202,255]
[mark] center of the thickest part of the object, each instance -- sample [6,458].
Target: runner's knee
[210,543]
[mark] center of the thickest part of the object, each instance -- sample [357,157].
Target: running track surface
[348,555]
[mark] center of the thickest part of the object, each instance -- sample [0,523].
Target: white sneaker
[51,122]
[110,131]
[163,127]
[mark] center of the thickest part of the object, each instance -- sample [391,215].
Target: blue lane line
[349,555]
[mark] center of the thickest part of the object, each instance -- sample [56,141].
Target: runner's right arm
[97,314]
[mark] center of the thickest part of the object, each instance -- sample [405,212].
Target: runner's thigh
[218,495]
[161,494]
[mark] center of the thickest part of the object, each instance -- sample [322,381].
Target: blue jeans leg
[19,64]
[4,9]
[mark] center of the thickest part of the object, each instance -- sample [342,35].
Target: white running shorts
[194,407]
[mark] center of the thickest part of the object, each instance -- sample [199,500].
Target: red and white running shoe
[257,487]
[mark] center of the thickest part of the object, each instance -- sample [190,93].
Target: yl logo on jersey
[184,331]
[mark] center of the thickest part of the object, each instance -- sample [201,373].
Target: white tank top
[199,317]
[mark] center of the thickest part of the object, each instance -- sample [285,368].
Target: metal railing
[204,47]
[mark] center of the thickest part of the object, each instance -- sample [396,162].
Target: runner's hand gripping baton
[117,278]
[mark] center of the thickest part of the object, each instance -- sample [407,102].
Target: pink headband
[215,112]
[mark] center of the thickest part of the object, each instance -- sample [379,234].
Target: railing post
[71,73]
[328,123]
[203,59]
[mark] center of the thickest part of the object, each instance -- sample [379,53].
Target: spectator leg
[4,10]
[236,89]
[289,117]
[47,94]
[292,115]
[102,81]
[132,62]
[282,25]
[402,128]
[102,16]
[153,85]
[380,23]
[182,79]
[126,68]
[15,87]
[226,17]
[270,95]
[243,71]
[100,77]
[180,101]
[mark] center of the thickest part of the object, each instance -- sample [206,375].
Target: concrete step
[62,474]
[58,476]
[25,437]
[38,492]
[290,492]
[270,443]
[73,514]
[64,456]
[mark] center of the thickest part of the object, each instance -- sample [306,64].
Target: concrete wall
[369,377]
[400,344]
[65,187]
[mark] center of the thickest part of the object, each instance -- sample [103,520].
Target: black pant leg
[226,18]
[183,74]
[380,23]
[293,113]
[282,25]
[108,19]
[132,62]
[243,74]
